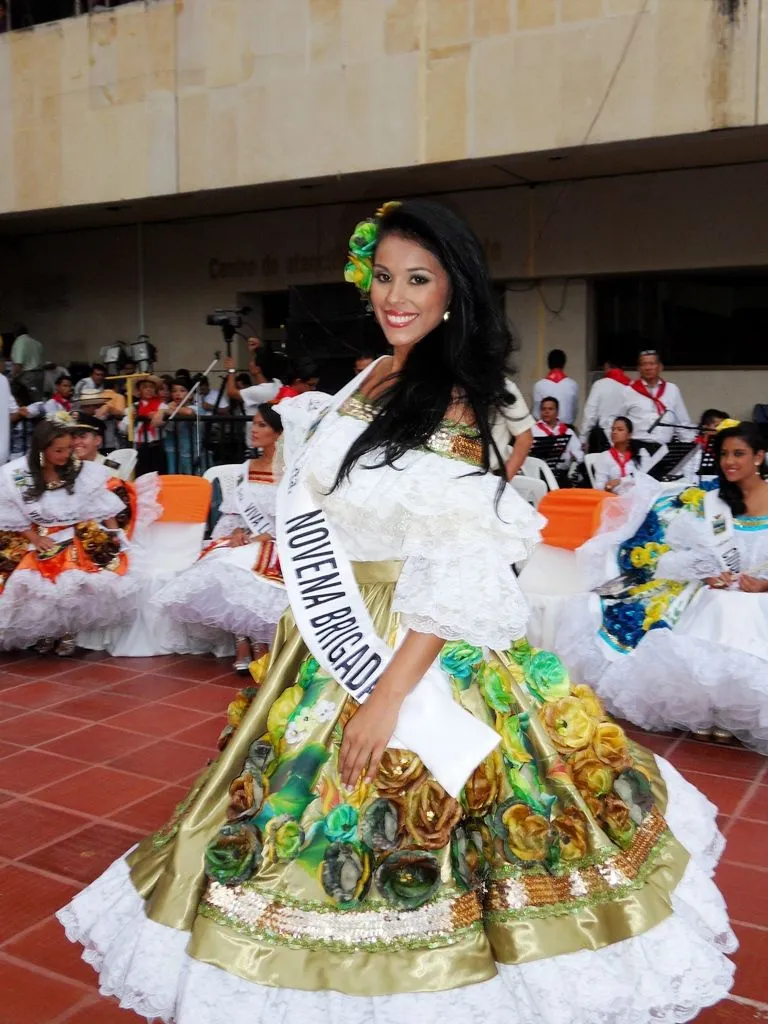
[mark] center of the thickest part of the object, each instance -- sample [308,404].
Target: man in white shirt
[654,405]
[28,359]
[557,385]
[95,382]
[550,426]
[264,390]
[604,403]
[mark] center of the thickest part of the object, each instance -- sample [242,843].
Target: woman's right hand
[43,543]
[721,582]
[239,537]
[612,484]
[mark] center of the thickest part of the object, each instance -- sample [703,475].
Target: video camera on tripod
[228,321]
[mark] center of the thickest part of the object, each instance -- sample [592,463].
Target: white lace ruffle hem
[665,976]
[217,595]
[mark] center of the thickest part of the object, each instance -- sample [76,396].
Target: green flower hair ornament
[362,245]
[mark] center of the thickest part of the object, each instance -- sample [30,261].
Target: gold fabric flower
[528,834]
[399,771]
[483,787]
[591,776]
[589,700]
[568,724]
[430,814]
[611,747]
[618,821]
[246,794]
[571,828]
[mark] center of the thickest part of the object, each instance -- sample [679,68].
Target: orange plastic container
[573,516]
[185,499]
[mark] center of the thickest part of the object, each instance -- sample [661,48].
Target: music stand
[550,449]
[670,467]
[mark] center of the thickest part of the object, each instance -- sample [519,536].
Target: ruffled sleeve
[439,516]
[692,556]
[298,414]
[96,500]
[13,481]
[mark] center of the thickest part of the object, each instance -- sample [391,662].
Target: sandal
[704,735]
[45,644]
[722,736]
[66,646]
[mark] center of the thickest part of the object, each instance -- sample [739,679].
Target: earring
[447,315]
[42,460]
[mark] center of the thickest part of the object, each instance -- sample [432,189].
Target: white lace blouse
[693,555]
[263,495]
[90,498]
[438,515]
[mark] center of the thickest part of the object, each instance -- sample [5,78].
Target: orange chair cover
[185,499]
[573,516]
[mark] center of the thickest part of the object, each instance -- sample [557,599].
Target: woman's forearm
[411,660]
[519,454]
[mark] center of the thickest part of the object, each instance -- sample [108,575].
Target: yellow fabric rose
[528,834]
[692,496]
[258,669]
[591,776]
[611,747]
[568,724]
[483,787]
[590,701]
[639,558]
[430,815]
[236,709]
[571,828]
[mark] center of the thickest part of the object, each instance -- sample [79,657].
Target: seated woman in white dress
[614,470]
[62,560]
[693,615]
[235,587]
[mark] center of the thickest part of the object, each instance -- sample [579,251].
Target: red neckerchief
[622,461]
[618,375]
[641,389]
[555,376]
[286,391]
[147,407]
[560,429]
[63,402]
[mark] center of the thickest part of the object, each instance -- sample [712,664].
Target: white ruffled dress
[220,596]
[437,515]
[712,668]
[33,606]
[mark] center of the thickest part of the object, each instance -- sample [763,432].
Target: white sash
[249,510]
[720,523]
[337,629]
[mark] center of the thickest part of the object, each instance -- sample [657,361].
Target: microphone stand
[188,398]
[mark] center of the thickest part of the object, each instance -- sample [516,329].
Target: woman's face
[58,451]
[738,461]
[262,435]
[619,433]
[410,292]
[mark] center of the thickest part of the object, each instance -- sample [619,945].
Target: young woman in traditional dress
[702,661]
[62,561]
[235,587]
[417,816]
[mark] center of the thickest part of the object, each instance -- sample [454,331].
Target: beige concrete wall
[180,95]
[81,290]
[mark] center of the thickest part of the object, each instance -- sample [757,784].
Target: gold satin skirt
[285,878]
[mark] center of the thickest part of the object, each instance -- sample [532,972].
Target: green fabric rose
[546,677]
[495,688]
[459,659]
[283,839]
[363,241]
[341,824]
[233,855]
[346,874]
[408,878]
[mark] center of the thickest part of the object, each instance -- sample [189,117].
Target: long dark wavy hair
[45,434]
[752,436]
[466,356]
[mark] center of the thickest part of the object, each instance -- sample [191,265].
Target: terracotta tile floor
[95,752]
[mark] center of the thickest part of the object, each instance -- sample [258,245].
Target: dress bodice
[437,512]
[90,498]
